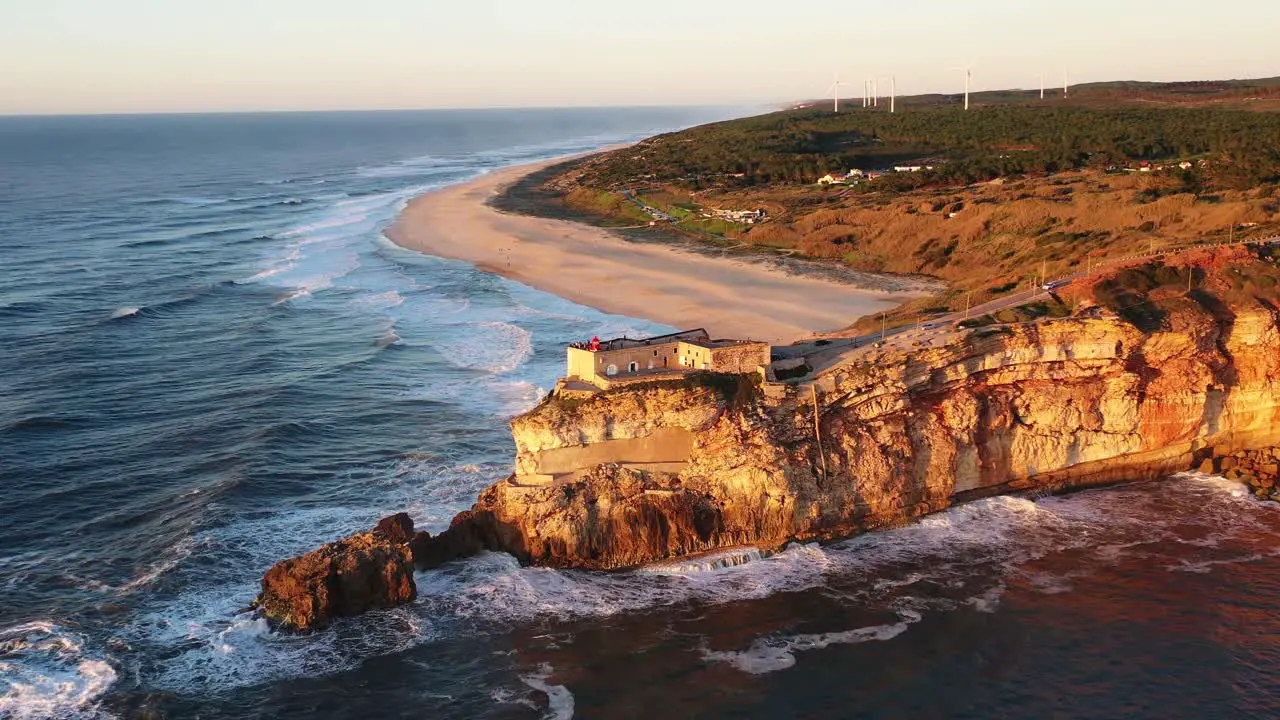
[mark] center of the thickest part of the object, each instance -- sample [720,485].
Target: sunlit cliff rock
[654,472]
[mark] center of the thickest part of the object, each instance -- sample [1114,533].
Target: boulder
[470,533]
[365,571]
[396,528]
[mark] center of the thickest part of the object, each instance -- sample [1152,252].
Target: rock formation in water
[1259,469]
[348,577]
[656,471]
[652,472]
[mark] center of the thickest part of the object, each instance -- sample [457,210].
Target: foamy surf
[705,562]
[46,672]
[768,655]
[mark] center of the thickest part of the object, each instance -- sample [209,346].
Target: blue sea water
[212,359]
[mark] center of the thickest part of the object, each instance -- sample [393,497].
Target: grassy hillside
[798,146]
[1019,188]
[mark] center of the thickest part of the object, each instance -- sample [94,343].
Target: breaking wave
[46,672]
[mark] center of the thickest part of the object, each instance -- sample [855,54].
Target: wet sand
[599,268]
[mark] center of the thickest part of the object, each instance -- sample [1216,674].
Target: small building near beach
[626,359]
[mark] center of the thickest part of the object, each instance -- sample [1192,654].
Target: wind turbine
[968,79]
[893,90]
[835,94]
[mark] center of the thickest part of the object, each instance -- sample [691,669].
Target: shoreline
[599,268]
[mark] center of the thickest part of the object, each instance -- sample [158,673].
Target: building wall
[582,364]
[594,367]
[589,366]
[746,358]
[694,357]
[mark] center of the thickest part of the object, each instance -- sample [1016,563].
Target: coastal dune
[598,268]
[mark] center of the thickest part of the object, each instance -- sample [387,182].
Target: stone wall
[593,367]
[662,445]
[743,358]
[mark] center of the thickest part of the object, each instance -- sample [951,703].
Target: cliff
[652,472]
[1165,380]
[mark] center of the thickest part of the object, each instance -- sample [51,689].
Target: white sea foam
[707,562]
[779,653]
[169,560]
[46,672]
[959,560]
[559,699]
[495,347]
[494,587]
[379,300]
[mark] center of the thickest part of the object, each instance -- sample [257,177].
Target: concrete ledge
[666,445]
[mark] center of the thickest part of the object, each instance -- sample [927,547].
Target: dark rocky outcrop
[471,532]
[396,528]
[1259,469]
[365,571]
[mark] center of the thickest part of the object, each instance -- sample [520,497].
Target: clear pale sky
[85,56]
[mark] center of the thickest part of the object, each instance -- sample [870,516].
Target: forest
[799,146]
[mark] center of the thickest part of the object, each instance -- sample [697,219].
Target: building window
[633,367]
[611,370]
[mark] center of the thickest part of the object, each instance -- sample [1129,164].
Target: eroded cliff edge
[654,472]
[649,472]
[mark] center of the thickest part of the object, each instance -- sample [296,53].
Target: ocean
[213,360]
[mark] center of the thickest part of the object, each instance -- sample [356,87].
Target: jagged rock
[658,470]
[348,577]
[470,533]
[1046,406]
[396,528]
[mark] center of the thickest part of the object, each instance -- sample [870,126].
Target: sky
[114,56]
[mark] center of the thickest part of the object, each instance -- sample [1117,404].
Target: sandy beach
[595,267]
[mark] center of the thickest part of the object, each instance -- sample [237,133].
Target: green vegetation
[606,204]
[799,146]
[1052,308]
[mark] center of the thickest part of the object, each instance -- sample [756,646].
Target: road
[825,353]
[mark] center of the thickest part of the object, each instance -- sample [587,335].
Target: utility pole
[881,327]
[967,293]
[817,429]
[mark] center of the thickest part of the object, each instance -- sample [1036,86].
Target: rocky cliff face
[348,577]
[1053,405]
